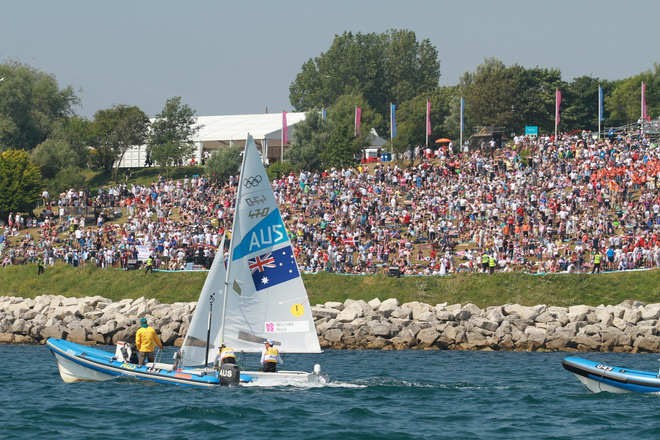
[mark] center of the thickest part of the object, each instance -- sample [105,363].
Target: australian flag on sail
[273,268]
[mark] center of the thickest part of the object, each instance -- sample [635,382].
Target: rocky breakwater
[627,327]
[388,325]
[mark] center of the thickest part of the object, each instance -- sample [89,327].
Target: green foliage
[309,140]
[77,132]
[53,155]
[580,103]
[30,105]
[171,138]
[383,68]
[622,106]
[20,182]
[321,145]
[411,118]
[115,131]
[68,177]
[223,163]
[280,169]
[511,97]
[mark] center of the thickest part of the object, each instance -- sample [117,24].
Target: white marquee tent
[217,132]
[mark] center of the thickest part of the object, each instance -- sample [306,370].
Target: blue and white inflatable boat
[598,377]
[80,363]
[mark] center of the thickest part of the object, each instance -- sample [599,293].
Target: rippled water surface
[373,395]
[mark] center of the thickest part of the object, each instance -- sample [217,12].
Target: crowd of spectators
[537,205]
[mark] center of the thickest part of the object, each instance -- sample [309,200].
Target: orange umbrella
[442,141]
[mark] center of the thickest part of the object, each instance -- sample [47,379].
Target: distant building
[218,132]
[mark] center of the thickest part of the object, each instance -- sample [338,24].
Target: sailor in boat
[228,371]
[146,341]
[225,355]
[270,357]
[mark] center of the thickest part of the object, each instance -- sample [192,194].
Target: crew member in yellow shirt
[146,341]
[270,357]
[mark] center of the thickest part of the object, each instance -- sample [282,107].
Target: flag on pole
[358,117]
[601,113]
[462,109]
[428,121]
[324,115]
[557,105]
[392,121]
[285,130]
[645,116]
[428,118]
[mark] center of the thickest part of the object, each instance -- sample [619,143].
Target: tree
[309,140]
[20,182]
[172,132]
[30,103]
[383,68]
[623,104]
[53,155]
[223,163]
[116,130]
[411,118]
[77,132]
[321,144]
[511,97]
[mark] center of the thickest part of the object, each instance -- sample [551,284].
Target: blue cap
[269,341]
[143,322]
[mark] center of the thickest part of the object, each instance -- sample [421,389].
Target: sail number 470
[260,213]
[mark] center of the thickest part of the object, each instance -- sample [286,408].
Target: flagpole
[427,124]
[556,112]
[462,108]
[600,110]
[641,112]
[391,126]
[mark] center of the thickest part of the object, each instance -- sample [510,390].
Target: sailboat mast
[231,242]
[208,331]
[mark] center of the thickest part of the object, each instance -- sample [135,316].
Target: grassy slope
[480,289]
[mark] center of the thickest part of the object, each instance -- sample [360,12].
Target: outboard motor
[230,374]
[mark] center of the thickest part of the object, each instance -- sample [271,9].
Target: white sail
[209,304]
[265,294]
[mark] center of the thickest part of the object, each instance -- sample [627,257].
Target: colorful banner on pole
[358,117]
[645,116]
[392,121]
[557,106]
[428,118]
[601,113]
[285,130]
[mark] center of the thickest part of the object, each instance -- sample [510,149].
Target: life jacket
[271,354]
[597,258]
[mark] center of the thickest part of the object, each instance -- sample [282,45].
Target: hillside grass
[481,289]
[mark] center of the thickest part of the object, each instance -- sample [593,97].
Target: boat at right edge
[599,377]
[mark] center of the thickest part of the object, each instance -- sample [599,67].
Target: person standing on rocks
[146,341]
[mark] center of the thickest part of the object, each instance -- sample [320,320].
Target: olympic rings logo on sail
[252,181]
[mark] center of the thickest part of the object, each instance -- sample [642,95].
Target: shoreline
[630,326]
